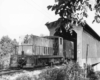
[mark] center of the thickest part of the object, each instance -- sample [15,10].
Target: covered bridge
[87,41]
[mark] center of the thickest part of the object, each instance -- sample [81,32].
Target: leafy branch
[73,12]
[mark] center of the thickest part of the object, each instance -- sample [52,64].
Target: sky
[21,17]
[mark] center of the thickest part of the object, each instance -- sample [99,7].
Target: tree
[26,38]
[14,43]
[14,46]
[7,45]
[73,12]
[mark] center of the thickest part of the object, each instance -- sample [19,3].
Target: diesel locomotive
[48,50]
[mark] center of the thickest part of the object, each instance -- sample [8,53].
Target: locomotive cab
[57,45]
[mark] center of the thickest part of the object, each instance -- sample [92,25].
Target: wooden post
[87,54]
[87,58]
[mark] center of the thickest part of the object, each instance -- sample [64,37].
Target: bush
[91,74]
[98,74]
[72,71]
[52,74]
[4,62]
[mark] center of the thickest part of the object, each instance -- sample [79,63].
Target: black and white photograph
[49,39]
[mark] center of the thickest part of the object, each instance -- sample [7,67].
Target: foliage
[91,74]
[98,74]
[73,11]
[72,71]
[7,48]
[7,45]
[26,38]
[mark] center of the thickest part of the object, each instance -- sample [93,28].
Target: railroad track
[12,71]
[8,71]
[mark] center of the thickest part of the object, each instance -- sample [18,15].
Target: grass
[71,71]
[24,77]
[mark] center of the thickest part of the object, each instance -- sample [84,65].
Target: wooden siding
[92,48]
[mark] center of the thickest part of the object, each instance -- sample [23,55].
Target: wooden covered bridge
[87,43]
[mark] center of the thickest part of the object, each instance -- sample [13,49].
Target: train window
[34,49]
[44,50]
[50,51]
[47,50]
[39,50]
[61,41]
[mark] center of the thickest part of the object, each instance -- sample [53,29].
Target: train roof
[51,37]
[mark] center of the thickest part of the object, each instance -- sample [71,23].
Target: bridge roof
[86,27]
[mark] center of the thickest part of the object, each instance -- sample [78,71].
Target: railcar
[43,51]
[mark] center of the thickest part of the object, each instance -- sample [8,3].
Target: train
[47,50]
